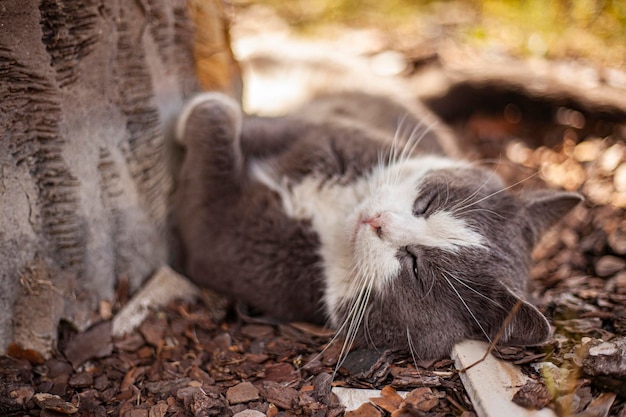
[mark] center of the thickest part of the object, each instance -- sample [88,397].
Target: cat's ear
[543,208]
[527,327]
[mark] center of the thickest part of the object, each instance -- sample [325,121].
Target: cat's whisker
[355,316]
[469,310]
[458,205]
[445,204]
[356,287]
[352,333]
[396,138]
[470,197]
[346,321]
[379,161]
[366,331]
[359,282]
[502,190]
[366,289]
[411,348]
[333,339]
[376,183]
[482,209]
[475,291]
[347,342]
[413,140]
[409,143]
[432,285]
[418,140]
[393,154]
[427,293]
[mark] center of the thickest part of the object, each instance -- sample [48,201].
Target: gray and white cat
[348,212]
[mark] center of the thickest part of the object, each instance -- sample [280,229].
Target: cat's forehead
[463,177]
[402,180]
[420,174]
[418,168]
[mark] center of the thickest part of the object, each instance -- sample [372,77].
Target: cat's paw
[206,112]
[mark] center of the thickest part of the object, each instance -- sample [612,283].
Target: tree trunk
[87,90]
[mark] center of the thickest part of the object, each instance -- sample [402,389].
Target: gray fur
[239,241]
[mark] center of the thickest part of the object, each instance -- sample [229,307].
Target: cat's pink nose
[376,222]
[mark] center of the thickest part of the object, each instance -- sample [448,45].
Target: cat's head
[441,252]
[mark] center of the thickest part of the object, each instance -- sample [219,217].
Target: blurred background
[593,31]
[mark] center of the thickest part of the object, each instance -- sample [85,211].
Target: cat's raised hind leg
[208,187]
[209,127]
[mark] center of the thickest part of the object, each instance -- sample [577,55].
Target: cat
[349,212]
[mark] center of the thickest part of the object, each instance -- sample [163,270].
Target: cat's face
[440,252]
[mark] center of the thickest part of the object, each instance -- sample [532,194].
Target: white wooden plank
[353,398]
[163,287]
[492,383]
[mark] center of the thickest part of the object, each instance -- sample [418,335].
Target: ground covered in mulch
[181,362]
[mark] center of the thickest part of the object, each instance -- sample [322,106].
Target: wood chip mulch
[181,362]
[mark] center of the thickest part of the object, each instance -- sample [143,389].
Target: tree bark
[88,90]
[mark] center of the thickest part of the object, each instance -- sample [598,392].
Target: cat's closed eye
[424,204]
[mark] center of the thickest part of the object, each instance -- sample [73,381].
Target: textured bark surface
[88,90]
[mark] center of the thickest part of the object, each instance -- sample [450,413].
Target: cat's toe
[206,112]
